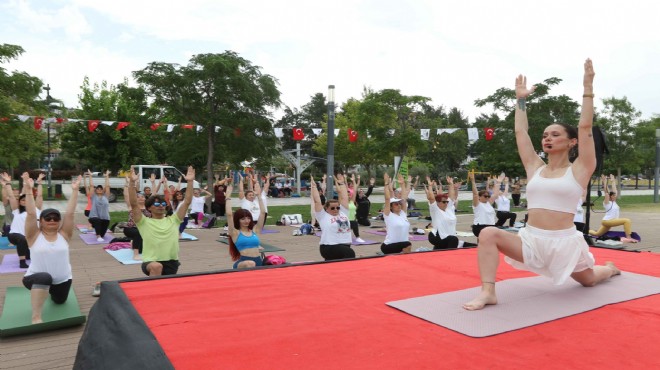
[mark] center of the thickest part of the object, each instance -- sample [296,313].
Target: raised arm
[126,185]
[342,190]
[451,189]
[228,212]
[496,189]
[506,187]
[585,164]
[475,191]
[190,177]
[356,188]
[89,189]
[159,183]
[316,198]
[107,183]
[178,185]
[528,156]
[241,192]
[429,191]
[372,181]
[266,184]
[31,226]
[167,195]
[6,180]
[152,179]
[387,193]
[39,200]
[262,209]
[606,189]
[405,190]
[134,181]
[68,217]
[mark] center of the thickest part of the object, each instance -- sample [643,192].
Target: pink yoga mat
[10,264]
[90,239]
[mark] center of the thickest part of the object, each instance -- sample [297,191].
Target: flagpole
[330,170]
[48,171]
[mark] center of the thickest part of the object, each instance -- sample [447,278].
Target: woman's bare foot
[137,257]
[484,298]
[615,270]
[36,320]
[628,240]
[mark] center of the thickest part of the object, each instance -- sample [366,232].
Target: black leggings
[502,216]
[218,209]
[336,251]
[450,242]
[100,226]
[355,228]
[476,229]
[394,247]
[58,292]
[364,221]
[516,199]
[20,242]
[134,234]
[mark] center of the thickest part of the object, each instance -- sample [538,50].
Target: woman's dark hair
[484,192]
[151,200]
[233,251]
[327,203]
[572,133]
[612,193]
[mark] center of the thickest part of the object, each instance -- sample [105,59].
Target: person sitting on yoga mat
[50,270]
[332,216]
[482,204]
[99,214]
[243,232]
[549,245]
[363,204]
[352,209]
[397,239]
[160,233]
[130,230]
[17,229]
[443,217]
[504,206]
[611,218]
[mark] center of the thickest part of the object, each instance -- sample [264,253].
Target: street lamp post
[331,142]
[656,198]
[48,172]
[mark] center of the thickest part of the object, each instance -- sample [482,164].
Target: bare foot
[483,299]
[137,257]
[615,270]
[37,320]
[628,240]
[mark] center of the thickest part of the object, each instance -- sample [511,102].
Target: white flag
[391,132]
[336,132]
[199,128]
[108,123]
[23,118]
[425,132]
[217,128]
[317,131]
[473,134]
[279,133]
[170,127]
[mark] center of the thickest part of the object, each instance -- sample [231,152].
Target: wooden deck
[57,349]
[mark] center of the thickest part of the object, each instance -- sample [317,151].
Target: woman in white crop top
[611,218]
[482,204]
[549,245]
[50,270]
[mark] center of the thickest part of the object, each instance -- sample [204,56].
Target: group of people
[549,245]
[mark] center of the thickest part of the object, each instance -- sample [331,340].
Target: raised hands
[76,183]
[133,176]
[521,87]
[372,181]
[190,175]
[5,177]
[589,74]
[28,183]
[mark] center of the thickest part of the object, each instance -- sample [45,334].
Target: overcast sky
[452,52]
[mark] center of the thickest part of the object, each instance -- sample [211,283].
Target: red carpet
[333,315]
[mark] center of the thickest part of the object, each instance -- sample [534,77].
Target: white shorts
[553,253]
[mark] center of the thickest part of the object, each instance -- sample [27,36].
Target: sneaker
[97,290]
[360,240]
[99,239]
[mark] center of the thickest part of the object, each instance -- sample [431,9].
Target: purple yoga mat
[269,231]
[90,239]
[413,237]
[621,234]
[10,264]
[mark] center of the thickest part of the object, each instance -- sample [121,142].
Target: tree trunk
[209,158]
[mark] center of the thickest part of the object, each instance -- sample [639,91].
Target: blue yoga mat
[4,243]
[124,256]
[187,237]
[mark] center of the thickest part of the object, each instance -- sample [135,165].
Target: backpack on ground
[293,219]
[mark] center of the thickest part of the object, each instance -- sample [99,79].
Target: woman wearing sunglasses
[482,204]
[243,232]
[333,218]
[397,239]
[48,239]
[442,207]
[131,231]
[549,244]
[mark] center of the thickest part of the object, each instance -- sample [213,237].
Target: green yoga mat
[16,316]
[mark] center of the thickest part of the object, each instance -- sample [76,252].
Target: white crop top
[556,194]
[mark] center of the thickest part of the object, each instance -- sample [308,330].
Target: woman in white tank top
[50,270]
[482,204]
[612,218]
[549,245]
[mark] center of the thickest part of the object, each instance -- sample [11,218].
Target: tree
[645,146]
[19,93]
[106,147]
[217,90]
[619,119]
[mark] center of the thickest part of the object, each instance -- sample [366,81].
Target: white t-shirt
[397,227]
[611,211]
[484,214]
[443,222]
[18,224]
[52,258]
[503,203]
[334,229]
[197,204]
[253,207]
[264,198]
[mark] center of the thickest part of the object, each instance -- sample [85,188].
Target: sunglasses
[52,218]
[486,196]
[444,201]
[333,208]
[160,204]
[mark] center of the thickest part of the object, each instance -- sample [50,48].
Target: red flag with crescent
[489,132]
[154,126]
[298,134]
[92,125]
[352,135]
[122,125]
[38,121]
[188,127]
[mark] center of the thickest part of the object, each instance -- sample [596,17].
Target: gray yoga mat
[525,302]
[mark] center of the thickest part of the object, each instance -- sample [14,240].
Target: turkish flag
[122,125]
[352,135]
[38,121]
[4,119]
[154,126]
[188,127]
[489,132]
[298,134]
[92,125]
